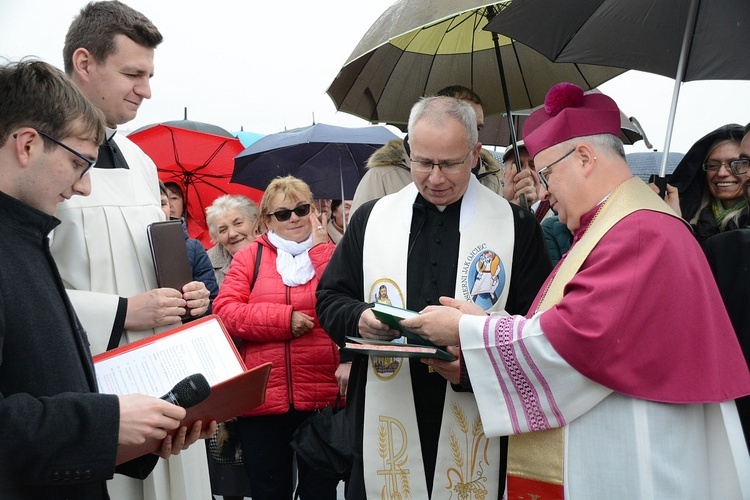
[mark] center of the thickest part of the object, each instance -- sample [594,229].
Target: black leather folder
[169,252]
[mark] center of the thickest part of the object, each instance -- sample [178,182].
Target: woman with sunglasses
[273,314]
[708,184]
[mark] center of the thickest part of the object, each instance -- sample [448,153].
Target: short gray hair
[436,109]
[606,142]
[226,203]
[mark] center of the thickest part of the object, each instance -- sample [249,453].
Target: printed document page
[154,368]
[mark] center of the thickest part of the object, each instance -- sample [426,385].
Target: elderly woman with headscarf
[709,181]
[273,314]
[231,221]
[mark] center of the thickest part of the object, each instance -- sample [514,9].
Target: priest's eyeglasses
[543,177]
[88,162]
[285,214]
[446,167]
[737,167]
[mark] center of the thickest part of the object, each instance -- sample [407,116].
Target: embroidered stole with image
[467,461]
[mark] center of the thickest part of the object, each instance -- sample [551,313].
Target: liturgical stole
[467,462]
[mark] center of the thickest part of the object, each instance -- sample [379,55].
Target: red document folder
[155,364]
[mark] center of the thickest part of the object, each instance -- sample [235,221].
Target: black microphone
[189,391]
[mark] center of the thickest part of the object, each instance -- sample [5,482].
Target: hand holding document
[154,365]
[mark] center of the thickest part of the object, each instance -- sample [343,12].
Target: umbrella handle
[661,183]
[523,201]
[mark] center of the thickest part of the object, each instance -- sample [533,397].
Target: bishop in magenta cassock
[620,381]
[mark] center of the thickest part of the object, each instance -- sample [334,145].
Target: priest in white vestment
[413,434]
[101,247]
[620,381]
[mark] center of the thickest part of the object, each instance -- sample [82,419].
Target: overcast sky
[265,66]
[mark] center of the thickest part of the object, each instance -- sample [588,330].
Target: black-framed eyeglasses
[737,167]
[447,167]
[543,177]
[284,214]
[89,162]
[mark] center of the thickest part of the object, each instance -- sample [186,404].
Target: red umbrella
[201,163]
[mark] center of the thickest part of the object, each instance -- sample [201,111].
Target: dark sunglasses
[284,214]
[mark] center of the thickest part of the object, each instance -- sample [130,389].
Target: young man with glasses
[620,381]
[101,247]
[444,235]
[60,438]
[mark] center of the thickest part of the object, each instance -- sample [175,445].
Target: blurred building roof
[646,163]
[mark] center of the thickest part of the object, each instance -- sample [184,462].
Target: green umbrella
[417,47]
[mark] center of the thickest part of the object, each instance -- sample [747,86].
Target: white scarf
[293,260]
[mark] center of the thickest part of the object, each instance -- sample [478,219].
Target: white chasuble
[467,461]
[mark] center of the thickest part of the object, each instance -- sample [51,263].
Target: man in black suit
[60,438]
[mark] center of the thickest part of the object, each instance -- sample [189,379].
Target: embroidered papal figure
[487,274]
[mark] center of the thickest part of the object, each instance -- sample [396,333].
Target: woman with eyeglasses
[706,187]
[273,314]
[728,254]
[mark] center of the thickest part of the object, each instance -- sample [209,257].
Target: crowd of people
[599,333]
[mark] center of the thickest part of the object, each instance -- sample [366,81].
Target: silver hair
[224,204]
[605,142]
[436,109]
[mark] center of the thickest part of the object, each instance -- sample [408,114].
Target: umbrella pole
[689,29]
[343,199]
[491,13]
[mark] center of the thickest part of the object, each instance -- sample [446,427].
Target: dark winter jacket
[58,436]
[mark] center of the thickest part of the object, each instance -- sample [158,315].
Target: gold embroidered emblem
[396,477]
[469,452]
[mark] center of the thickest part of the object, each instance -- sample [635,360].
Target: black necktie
[110,155]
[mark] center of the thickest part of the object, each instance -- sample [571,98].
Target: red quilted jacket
[303,368]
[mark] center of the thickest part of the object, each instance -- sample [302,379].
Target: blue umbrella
[247,138]
[330,159]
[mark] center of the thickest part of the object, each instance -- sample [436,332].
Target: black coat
[59,437]
[728,254]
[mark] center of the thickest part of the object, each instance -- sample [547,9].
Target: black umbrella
[682,39]
[330,159]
